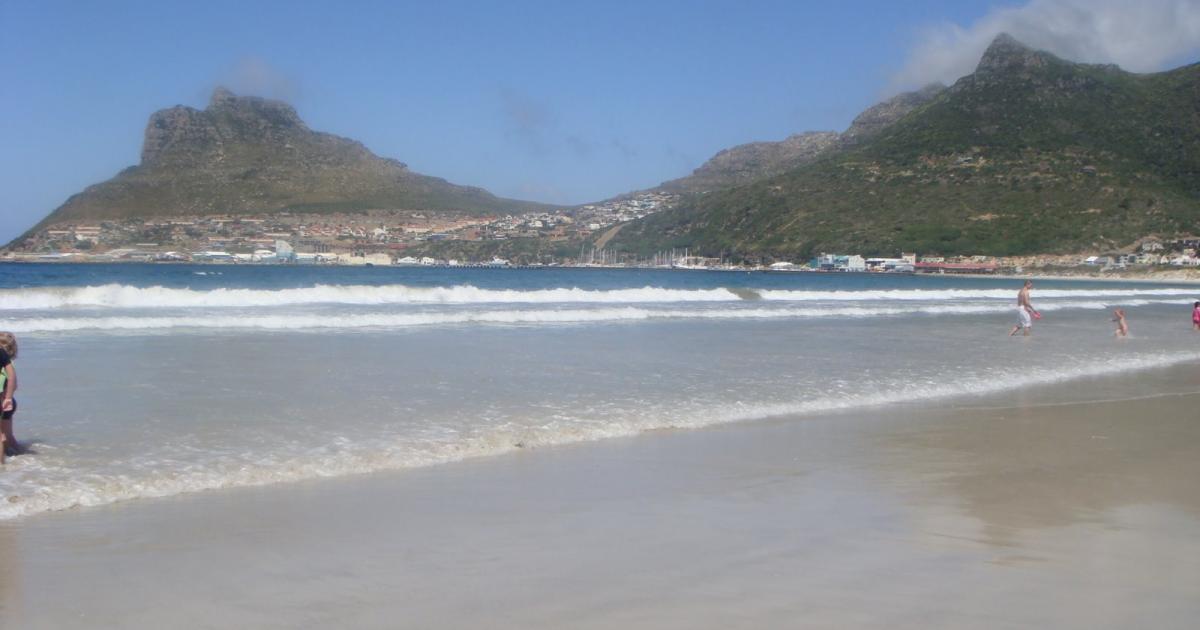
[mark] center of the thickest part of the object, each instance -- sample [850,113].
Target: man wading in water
[1025,312]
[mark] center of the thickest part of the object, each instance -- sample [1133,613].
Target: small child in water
[1196,316]
[1122,325]
[8,385]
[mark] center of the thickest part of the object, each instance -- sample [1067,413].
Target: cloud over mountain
[1144,36]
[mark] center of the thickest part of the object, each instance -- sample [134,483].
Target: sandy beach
[1068,506]
[598,317]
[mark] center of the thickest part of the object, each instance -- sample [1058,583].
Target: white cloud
[529,120]
[254,76]
[1143,36]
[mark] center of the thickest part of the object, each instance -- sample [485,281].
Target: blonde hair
[8,343]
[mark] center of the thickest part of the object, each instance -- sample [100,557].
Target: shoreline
[992,511]
[484,448]
[1146,278]
[1166,276]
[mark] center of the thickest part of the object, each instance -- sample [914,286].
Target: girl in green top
[8,385]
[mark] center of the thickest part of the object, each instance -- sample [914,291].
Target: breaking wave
[349,321]
[157,297]
[939,295]
[124,296]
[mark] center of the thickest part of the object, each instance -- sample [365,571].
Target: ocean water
[158,380]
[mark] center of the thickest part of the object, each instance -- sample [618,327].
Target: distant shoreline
[1167,276]
[1160,277]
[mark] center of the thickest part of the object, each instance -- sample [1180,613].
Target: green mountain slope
[746,163]
[753,161]
[251,155]
[1029,154]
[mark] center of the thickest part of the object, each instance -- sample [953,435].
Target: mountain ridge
[745,163]
[1029,154]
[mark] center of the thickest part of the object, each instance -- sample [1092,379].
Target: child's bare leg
[2,455]
[10,441]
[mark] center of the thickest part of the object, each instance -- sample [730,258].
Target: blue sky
[562,102]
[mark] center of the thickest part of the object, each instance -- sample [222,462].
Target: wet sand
[1049,507]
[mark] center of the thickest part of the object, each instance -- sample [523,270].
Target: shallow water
[144,380]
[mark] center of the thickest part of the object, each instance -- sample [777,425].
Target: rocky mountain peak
[245,154]
[185,133]
[272,112]
[220,97]
[1005,53]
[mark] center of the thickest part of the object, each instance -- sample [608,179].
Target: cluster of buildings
[603,215]
[343,237]
[317,233]
[1150,252]
[1178,253]
[380,237]
[906,263]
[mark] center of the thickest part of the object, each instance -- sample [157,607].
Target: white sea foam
[939,295]
[157,297]
[290,463]
[124,296]
[352,321]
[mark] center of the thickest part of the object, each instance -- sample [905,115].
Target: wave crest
[125,296]
[158,297]
[346,321]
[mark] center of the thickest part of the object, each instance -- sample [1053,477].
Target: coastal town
[365,237]
[403,237]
